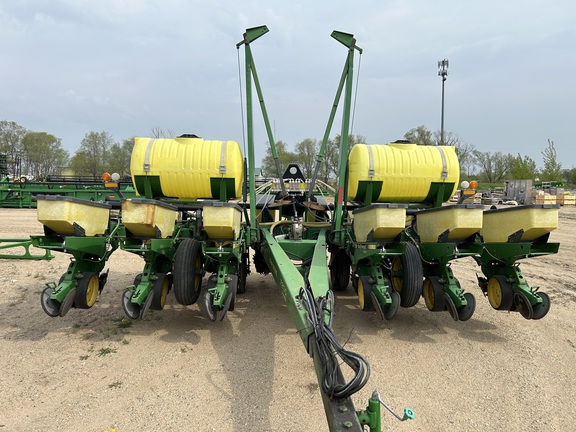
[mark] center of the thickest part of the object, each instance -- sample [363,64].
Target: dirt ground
[94,369]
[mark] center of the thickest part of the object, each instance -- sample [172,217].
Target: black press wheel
[160,288]
[451,307]
[407,275]
[540,310]
[87,290]
[243,271]
[433,292]
[132,310]
[500,293]
[51,307]
[188,271]
[465,312]
[523,305]
[68,302]
[340,271]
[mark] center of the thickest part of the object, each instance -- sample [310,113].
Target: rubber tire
[340,271]
[160,288]
[364,294]
[51,307]
[499,292]
[132,310]
[466,312]
[409,286]
[87,290]
[188,271]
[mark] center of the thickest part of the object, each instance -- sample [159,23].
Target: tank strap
[371,161]
[147,157]
[223,158]
[444,165]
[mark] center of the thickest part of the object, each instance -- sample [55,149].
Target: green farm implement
[199,215]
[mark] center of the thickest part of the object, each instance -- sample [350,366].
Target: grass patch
[106,351]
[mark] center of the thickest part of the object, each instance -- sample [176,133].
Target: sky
[68,67]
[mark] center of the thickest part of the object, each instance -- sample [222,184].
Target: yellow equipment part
[534,220]
[221,220]
[149,218]
[188,167]
[379,222]
[73,216]
[405,172]
[449,223]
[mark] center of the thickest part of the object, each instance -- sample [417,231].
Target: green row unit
[23,194]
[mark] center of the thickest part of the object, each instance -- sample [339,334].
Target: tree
[569,175]
[42,154]
[284,158]
[523,168]
[552,168]
[421,135]
[306,152]
[11,134]
[494,167]
[119,157]
[332,155]
[92,156]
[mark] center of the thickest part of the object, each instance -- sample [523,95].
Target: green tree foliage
[552,168]
[93,155]
[285,157]
[42,154]
[523,168]
[332,155]
[306,152]
[494,167]
[420,135]
[119,159]
[569,176]
[11,134]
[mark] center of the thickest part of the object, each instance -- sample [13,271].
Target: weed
[84,357]
[115,384]
[106,351]
[125,341]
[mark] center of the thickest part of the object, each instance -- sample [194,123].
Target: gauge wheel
[523,305]
[541,309]
[465,312]
[87,290]
[365,294]
[188,271]
[132,310]
[500,293]
[407,275]
[340,271]
[433,292]
[51,307]
[160,288]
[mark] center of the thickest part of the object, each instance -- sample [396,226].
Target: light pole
[442,72]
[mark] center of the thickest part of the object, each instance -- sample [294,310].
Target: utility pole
[442,72]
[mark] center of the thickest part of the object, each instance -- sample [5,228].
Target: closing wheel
[523,305]
[450,307]
[209,304]
[160,288]
[364,294]
[87,290]
[407,275]
[188,271]
[500,293]
[433,292]
[68,302]
[540,310]
[243,273]
[146,306]
[465,312]
[340,271]
[132,310]
[51,307]
[391,309]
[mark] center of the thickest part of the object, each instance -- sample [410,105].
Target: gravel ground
[94,369]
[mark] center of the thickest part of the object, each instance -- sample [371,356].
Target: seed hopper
[200,215]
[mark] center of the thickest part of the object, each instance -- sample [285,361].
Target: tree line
[41,154]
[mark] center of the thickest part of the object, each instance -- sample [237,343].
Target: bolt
[347,424]
[342,409]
